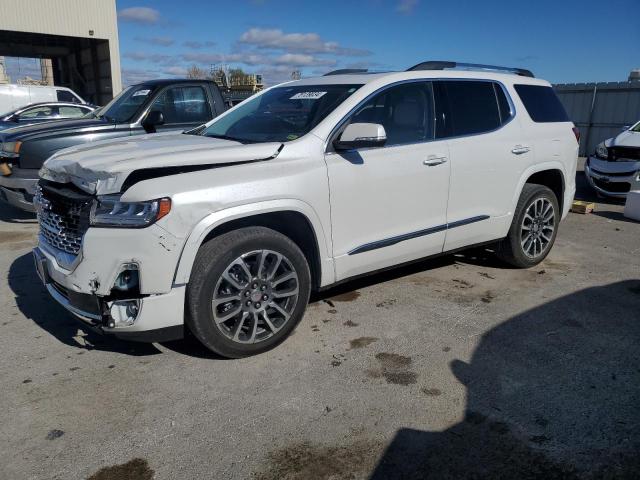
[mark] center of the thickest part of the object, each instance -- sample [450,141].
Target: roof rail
[441,65]
[344,71]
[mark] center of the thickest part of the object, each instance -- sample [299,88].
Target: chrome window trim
[328,148]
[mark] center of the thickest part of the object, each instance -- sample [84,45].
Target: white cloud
[302,60]
[295,42]
[144,15]
[177,71]
[131,76]
[195,45]
[406,7]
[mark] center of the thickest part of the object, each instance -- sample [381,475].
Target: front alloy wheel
[247,291]
[255,296]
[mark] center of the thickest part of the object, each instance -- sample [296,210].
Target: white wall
[72,18]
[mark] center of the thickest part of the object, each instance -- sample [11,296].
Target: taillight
[576,132]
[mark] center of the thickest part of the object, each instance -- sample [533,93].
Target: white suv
[226,229]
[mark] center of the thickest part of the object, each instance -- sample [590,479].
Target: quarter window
[183,105]
[541,103]
[405,111]
[71,112]
[468,108]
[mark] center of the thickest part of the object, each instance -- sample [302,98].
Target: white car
[614,169]
[226,229]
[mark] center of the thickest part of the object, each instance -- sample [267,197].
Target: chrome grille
[63,220]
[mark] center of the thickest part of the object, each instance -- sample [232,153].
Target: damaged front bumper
[613,179]
[91,286]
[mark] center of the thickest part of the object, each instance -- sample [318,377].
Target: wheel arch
[549,174]
[295,219]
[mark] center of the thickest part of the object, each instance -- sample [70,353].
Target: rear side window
[541,103]
[468,108]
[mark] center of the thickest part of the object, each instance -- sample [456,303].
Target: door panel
[388,204]
[485,171]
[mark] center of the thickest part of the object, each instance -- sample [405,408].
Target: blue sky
[560,40]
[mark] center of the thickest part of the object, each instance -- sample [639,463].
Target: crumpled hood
[102,167]
[625,139]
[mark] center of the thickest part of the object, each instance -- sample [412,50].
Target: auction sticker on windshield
[307,95]
[141,92]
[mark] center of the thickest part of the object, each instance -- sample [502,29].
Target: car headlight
[10,149]
[602,151]
[109,211]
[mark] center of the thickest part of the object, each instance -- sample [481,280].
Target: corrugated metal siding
[600,110]
[73,18]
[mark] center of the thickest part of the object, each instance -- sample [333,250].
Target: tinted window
[470,107]
[542,103]
[123,107]
[503,104]
[66,96]
[405,112]
[183,105]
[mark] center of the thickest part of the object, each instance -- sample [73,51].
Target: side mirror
[361,135]
[626,127]
[153,119]
[14,118]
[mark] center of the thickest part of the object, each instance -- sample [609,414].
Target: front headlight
[10,149]
[109,211]
[602,151]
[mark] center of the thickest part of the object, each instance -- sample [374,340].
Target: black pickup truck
[149,107]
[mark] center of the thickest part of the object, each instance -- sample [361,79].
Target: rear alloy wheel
[248,290]
[533,229]
[537,228]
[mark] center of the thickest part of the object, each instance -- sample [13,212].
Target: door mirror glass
[153,119]
[361,135]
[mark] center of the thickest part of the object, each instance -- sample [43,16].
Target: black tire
[213,260]
[510,249]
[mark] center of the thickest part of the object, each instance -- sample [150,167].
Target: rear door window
[541,103]
[467,107]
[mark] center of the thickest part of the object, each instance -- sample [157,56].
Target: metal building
[80,37]
[600,110]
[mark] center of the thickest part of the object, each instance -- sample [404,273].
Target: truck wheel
[248,290]
[533,229]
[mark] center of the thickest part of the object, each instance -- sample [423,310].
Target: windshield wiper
[227,137]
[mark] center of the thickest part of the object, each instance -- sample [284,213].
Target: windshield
[636,127]
[123,107]
[281,114]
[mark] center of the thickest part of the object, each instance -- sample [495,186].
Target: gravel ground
[450,368]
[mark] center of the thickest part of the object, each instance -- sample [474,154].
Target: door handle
[433,160]
[519,150]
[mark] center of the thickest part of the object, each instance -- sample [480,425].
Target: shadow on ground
[552,394]
[35,304]
[10,214]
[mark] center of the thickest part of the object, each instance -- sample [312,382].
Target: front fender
[213,220]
